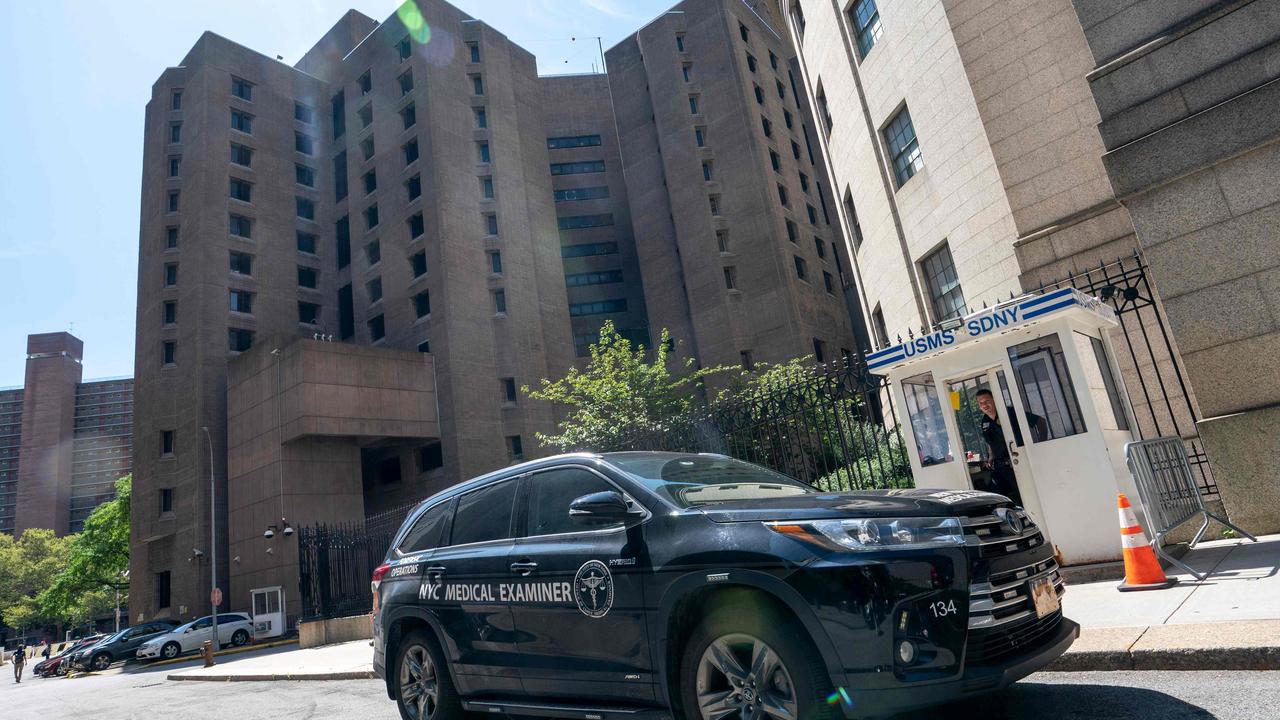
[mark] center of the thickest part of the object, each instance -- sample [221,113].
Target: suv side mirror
[605,506]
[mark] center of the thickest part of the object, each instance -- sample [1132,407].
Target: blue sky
[78,76]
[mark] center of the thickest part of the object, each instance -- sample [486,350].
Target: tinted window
[484,514]
[428,531]
[689,480]
[550,494]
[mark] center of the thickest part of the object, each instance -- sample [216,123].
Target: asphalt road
[1045,696]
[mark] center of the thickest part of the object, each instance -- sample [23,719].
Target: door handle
[435,569]
[524,567]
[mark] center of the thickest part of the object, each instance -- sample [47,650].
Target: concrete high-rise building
[348,267]
[597,238]
[740,252]
[63,442]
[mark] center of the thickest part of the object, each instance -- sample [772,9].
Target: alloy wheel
[419,689]
[739,676]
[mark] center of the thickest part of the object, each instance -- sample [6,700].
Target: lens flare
[411,16]
[839,696]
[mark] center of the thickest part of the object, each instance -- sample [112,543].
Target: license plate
[1044,597]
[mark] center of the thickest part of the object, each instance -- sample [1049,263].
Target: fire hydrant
[206,651]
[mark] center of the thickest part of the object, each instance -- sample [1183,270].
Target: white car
[234,629]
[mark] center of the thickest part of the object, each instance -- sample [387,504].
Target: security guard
[1002,475]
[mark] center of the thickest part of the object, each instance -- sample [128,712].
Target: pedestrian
[1000,457]
[19,661]
[45,654]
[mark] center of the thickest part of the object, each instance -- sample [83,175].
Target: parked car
[59,664]
[122,645]
[235,629]
[647,584]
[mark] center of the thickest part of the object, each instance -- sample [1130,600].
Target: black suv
[652,585]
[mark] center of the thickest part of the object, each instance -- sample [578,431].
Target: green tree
[97,560]
[28,565]
[620,391]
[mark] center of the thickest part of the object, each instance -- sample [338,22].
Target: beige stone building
[1187,95]
[985,148]
[963,142]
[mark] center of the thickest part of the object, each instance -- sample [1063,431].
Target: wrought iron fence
[833,426]
[1149,360]
[335,566]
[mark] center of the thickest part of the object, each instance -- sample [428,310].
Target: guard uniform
[1002,475]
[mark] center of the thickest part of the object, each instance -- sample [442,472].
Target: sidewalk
[1228,621]
[342,661]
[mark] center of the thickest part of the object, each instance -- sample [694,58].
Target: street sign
[215,597]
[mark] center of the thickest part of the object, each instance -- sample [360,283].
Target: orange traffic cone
[1142,570]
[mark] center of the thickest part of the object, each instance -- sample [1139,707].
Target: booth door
[268,612]
[979,456]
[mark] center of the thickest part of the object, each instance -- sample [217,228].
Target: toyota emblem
[1010,519]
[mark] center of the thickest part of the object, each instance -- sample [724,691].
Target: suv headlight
[876,533]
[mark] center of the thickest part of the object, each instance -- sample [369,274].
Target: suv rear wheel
[423,688]
[744,664]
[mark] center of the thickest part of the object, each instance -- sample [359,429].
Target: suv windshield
[689,480]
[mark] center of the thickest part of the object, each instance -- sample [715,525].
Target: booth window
[1101,383]
[925,413]
[1044,385]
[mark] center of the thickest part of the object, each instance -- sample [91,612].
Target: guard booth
[268,612]
[1046,359]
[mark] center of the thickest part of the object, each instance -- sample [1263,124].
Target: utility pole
[213,541]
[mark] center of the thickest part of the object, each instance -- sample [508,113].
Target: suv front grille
[1006,596]
[986,646]
[993,538]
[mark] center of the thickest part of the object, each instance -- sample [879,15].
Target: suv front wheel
[424,690]
[744,664]
[100,662]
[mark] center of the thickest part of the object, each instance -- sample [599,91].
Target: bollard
[206,649]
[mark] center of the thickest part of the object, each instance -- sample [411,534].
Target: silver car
[234,629]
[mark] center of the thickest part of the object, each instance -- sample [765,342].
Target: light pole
[213,541]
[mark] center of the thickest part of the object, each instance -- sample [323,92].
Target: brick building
[63,442]
[342,285]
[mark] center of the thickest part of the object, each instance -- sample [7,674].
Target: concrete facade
[300,424]
[695,89]
[1186,94]
[371,263]
[597,239]
[63,442]
[401,194]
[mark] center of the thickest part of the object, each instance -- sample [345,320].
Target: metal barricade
[1170,494]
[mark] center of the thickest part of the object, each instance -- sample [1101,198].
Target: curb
[1228,658]
[350,675]
[1237,645]
[220,653]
